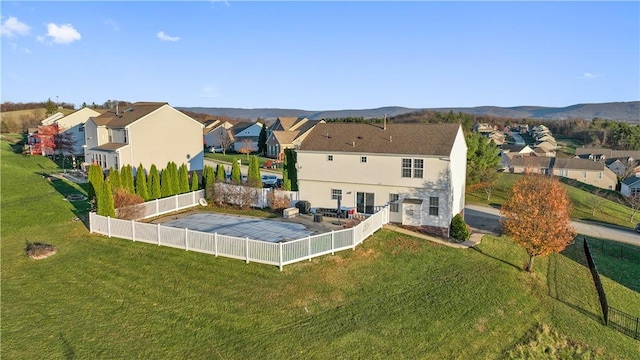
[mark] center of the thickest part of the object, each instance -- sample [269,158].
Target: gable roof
[609,153]
[514,148]
[284,123]
[414,139]
[127,116]
[532,161]
[285,137]
[631,180]
[578,164]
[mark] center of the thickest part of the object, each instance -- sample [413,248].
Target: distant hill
[620,111]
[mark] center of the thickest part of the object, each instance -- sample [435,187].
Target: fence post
[158,232]
[215,244]
[193,198]
[333,243]
[157,207]
[280,255]
[246,249]
[309,241]
[186,239]
[108,226]
[175,202]
[133,231]
[90,222]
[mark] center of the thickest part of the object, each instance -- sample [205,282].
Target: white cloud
[164,37]
[61,34]
[12,27]
[588,75]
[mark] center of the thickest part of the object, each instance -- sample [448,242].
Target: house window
[393,202]
[336,193]
[81,128]
[363,159]
[329,157]
[564,172]
[413,167]
[634,192]
[406,168]
[418,168]
[433,205]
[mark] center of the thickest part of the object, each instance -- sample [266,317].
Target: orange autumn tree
[536,216]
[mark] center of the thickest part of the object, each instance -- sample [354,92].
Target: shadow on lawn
[496,258]
[80,208]
[553,289]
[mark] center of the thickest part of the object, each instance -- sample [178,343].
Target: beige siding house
[418,169]
[287,133]
[586,171]
[146,133]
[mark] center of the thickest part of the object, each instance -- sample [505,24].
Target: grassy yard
[229,158]
[586,205]
[393,297]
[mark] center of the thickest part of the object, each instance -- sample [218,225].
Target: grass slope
[393,297]
[586,206]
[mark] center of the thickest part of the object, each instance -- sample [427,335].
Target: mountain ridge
[628,111]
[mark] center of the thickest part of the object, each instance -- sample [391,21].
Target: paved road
[485,219]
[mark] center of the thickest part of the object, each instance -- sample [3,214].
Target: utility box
[304,206]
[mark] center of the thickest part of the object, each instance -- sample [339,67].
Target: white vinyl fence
[280,254]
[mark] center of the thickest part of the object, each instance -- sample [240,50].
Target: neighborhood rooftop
[414,139]
[122,117]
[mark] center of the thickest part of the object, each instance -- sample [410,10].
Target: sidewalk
[474,239]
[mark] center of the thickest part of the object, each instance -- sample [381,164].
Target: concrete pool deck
[240,226]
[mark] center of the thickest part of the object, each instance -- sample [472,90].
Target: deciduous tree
[634,203]
[536,216]
[246,147]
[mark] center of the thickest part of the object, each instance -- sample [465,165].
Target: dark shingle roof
[609,153]
[578,164]
[542,162]
[631,180]
[415,139]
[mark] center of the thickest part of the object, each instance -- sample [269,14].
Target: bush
[128,205]
[459,229]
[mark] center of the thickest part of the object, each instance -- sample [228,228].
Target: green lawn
[228,158]
[393,297]
[586,205]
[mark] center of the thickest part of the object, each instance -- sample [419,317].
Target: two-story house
[72,128]
[287,133]
[146,133]
[246,135]
[418,169]
[586,171]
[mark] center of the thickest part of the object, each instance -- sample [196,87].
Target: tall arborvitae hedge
[253,174]
[165,183]
[105,201]
[208,181]
[141,183]
[183,179]
[292,172]
[286,183]
[221,173]
[236,174]
[96,178]
[115,179]
[195,183]
[174,182]
[126,178]
[154,183]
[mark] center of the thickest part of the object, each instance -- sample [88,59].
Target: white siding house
[146,133]
[419,169]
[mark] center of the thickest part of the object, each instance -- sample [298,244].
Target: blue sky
[327,55]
